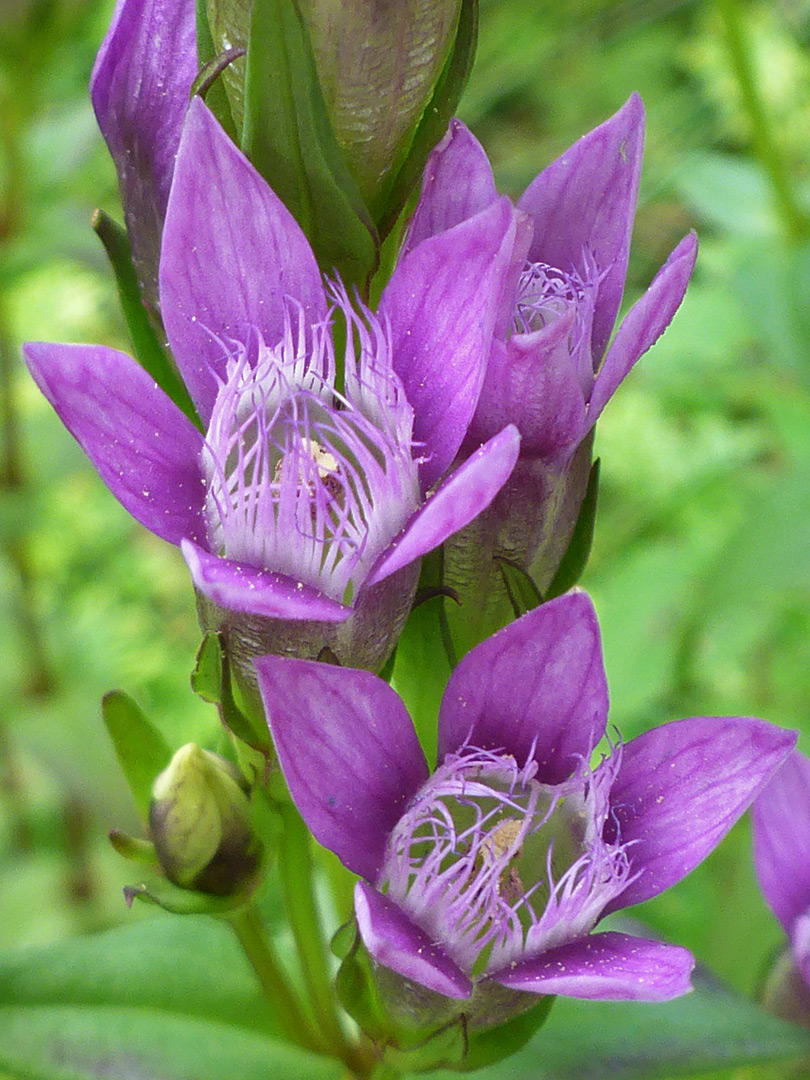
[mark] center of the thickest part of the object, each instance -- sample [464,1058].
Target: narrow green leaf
[132,847]
[216,97]
[141,750]
[162,893]
[289,138]
[579,548]
[520,587]
[148,351]
[206,679]
[211,680]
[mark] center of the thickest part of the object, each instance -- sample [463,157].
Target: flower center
[544,294]
[496,865]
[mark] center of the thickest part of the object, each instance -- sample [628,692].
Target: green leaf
[206,679]
[211,680]
[148,351]
[520,587]
[141,750]
[216,97]
[578,551]
[289,138]
[226,24]
[437,115]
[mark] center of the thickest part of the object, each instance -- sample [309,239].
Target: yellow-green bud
[200,823]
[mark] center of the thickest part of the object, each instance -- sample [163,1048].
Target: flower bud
[200,823]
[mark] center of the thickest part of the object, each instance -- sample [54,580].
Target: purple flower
[140,90]
[782,856]
[307,498]
[550,371]
[497,867]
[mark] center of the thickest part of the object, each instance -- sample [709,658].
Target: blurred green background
[701,562]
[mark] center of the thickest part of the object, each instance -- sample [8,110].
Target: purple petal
[782,840]
[463,496]
[645,323]
[457,184]
[232,255]
[146,451]
[532,382]
[394,941]
[535,689]
[241,587]
[606,967]
[442,301]
[585,201]
[140,89]
[679,790]
[348,751]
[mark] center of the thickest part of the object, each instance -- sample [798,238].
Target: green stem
[765,146]
[275,984]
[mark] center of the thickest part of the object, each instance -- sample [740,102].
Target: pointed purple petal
[606,967]
[241,587]
[140,89]
[585,201]
[782,840]
[679,790]
[146,451]
[457,184]
[535,689]
[645,323]
[463,496]
[232,255]
[394,941]
[348,751]
[532,382]
[442,301]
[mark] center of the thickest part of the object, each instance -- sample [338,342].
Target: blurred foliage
[700,567]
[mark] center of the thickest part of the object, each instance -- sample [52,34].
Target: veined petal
[679,790]
[606,967]
[536,689]
[233,255]
[645,323]
[140,90]
[442,301]
[782,840]
[397,943]
[242,587]
[457,184]
[585,201]
[463,496]
[146,450]
[348,751]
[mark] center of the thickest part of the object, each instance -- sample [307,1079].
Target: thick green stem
[765,145]
[282,998]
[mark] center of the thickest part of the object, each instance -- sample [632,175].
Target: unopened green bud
[200,823]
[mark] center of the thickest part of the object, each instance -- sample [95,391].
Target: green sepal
[148,351]
[211,680]
[520,587]
[496,1043]
[163,893]
[437,115]
[289,138]
[356,989]
[132,847]
[141,750]
[578,551]
[216,96]
[442,1049]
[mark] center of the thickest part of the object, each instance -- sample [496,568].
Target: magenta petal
[645,323]
[146,451]
[585,201]
[457,183]
[242,587]
[442,301]
[232,256]
[140,90]
[463,496]
[348,751]
[782,840]
[679,790]
[394,941]
[606,967]
[535,689]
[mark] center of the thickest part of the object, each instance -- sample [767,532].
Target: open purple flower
[781,817]
[140,90]
[497,867]
[550,370]
[305,505]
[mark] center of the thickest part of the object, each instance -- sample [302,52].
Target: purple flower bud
[493,871]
